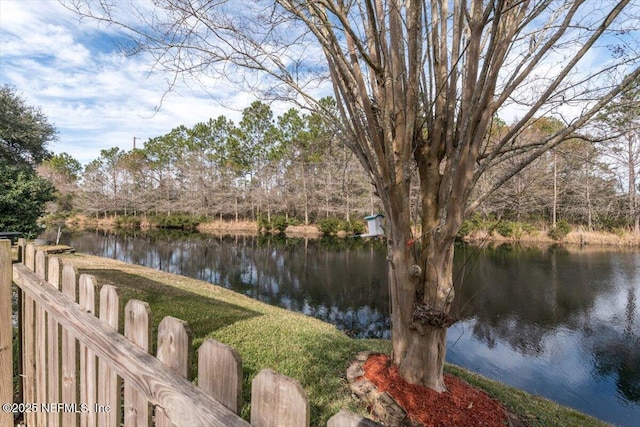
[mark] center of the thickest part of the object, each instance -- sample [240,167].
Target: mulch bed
[460,406]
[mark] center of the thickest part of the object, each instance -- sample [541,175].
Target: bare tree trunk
[555,189]
[421,297]
[589,209]
[633,200]
[306,196]
[418,348]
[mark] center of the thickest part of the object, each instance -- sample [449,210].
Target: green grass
[313,352]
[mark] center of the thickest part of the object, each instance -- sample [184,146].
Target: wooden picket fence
[77,369]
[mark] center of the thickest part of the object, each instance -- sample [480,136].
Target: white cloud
[95,97]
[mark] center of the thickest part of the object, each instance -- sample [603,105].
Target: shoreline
[579,237]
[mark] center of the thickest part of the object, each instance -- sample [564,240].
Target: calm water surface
[563,324]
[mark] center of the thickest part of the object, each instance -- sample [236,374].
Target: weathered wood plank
[53,344]
[186,404]
[28,346]
[68,343]
[278,401]
[41,342]
[28,355]
[108,381]
[88,370]
[220,373]
[30,256]
[6,331]
[137,329]
[40,347]
[41,264]
[20,397]
[174,345]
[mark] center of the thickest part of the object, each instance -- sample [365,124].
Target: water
[563,324]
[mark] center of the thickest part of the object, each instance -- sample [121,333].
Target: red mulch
[461,406]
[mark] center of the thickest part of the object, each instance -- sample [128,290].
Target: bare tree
[417,85]
[620,124]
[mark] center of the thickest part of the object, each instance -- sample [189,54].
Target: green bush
[126,221]
[560,231]
[263,223]
[514,230]
[507,228]
[473,224]
[180,221]
[279,222]
[294,221]
[344,225]
[358,227]
[329,226]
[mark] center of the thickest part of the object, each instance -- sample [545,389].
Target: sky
[94,96]
[97,98]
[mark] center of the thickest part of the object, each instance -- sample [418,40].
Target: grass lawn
[313,352]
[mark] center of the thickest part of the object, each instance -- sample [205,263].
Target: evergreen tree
[24,135]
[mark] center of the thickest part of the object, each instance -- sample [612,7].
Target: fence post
[6,331]
[220,373]
[278,401]
[137,329]
[41,341]
[28,341]
[30,256]
[53,344]
[87,299]
[20,336]
[68,355]
[108,380]
[174,345]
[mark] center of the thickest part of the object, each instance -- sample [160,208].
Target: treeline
[290,166]
[294,169]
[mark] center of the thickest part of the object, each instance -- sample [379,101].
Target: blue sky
[97,98]
[94,96]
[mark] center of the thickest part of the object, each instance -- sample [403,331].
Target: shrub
[514,230]
[358,227]
[344,226]
[181,221]
[328,226]
[294,221]
[507,228]
[473,224]
[279,223]
[263,223]
[126,221]
[560,231]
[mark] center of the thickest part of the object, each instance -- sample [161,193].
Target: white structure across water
[374,222]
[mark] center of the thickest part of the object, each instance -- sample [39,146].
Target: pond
[560,323]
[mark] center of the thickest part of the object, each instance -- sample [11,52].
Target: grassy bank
[311,351]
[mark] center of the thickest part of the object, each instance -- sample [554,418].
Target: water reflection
[340,281]
[560,323]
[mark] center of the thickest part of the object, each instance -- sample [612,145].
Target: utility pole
[134,142]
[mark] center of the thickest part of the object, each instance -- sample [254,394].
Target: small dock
[56,249]
[11,235]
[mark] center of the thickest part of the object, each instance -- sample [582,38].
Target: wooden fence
[77,369]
